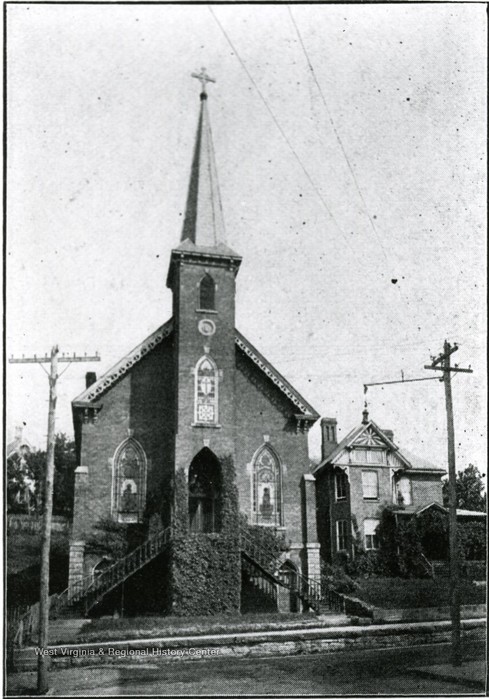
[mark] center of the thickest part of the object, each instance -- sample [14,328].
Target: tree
[33,468]
[470,490]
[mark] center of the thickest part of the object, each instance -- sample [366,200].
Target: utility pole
[42,663]
[442,363]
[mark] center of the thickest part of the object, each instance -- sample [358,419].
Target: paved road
[368,672]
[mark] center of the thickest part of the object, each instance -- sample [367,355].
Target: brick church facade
[191,418]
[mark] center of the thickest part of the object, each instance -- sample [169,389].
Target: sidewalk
[469,674]
[385,672]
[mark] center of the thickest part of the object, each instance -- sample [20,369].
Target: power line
[335,131]
[284,135]
[343,149]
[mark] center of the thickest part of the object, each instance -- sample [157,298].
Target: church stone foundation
[77,558]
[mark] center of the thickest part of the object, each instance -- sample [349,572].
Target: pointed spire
[203,224]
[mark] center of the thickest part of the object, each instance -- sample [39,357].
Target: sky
[350,147]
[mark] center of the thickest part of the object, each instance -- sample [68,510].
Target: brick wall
[262,409]
[142,401]
[426,489]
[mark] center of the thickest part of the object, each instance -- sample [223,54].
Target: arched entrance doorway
[204,493]
[289,598]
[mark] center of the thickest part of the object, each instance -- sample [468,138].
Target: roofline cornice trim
[306,410]
[123,366]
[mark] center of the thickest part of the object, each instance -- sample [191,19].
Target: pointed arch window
[206,391]
[129,482]
[267,488]
[208,293]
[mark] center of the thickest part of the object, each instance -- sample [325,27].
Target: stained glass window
[129,482]
[267,495]
[206,390]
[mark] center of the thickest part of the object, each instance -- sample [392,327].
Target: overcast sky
[378,175]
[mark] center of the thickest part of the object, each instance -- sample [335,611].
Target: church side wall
[262,410]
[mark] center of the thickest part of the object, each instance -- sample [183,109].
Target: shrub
[334,577]
[367,564]
[114,538]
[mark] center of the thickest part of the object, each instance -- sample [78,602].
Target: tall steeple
[204,223]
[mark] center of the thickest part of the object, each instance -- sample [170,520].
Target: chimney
[90,378]
[329,436]
[18,432]
[389,434]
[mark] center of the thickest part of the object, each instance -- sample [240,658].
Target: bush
[334,577]
[367,564]
[474,570]
[115,539]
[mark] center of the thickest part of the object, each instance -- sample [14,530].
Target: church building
[191,438]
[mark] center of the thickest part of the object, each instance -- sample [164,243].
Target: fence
[33,523]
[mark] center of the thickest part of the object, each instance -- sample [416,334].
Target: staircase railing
[429,567]
[92,588]
[309,591]
[125,567]
[264,582]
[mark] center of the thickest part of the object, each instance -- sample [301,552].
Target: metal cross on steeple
[203,78]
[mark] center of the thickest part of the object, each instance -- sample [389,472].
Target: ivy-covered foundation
[205,567]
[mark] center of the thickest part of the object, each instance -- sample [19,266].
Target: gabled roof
[366,434]
[355,436]
[16,445]
[93,392]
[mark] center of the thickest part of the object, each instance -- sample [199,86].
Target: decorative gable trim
[307,412]
[124,365]
[368,438]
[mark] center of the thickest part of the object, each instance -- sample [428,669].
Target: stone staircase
[86,593]
[264,567]
[261,566]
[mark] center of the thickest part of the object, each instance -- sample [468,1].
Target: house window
[368,456]
[129,482]
[207,293]
[341,482]
[206,391]
[342,534]
[403,491]
[370,485]
[370,531]
[267,488]
[375,456]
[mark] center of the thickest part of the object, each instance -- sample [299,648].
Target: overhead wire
[336,133]
[345,154]
[284,136]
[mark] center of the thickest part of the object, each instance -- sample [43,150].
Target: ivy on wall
[206,568]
